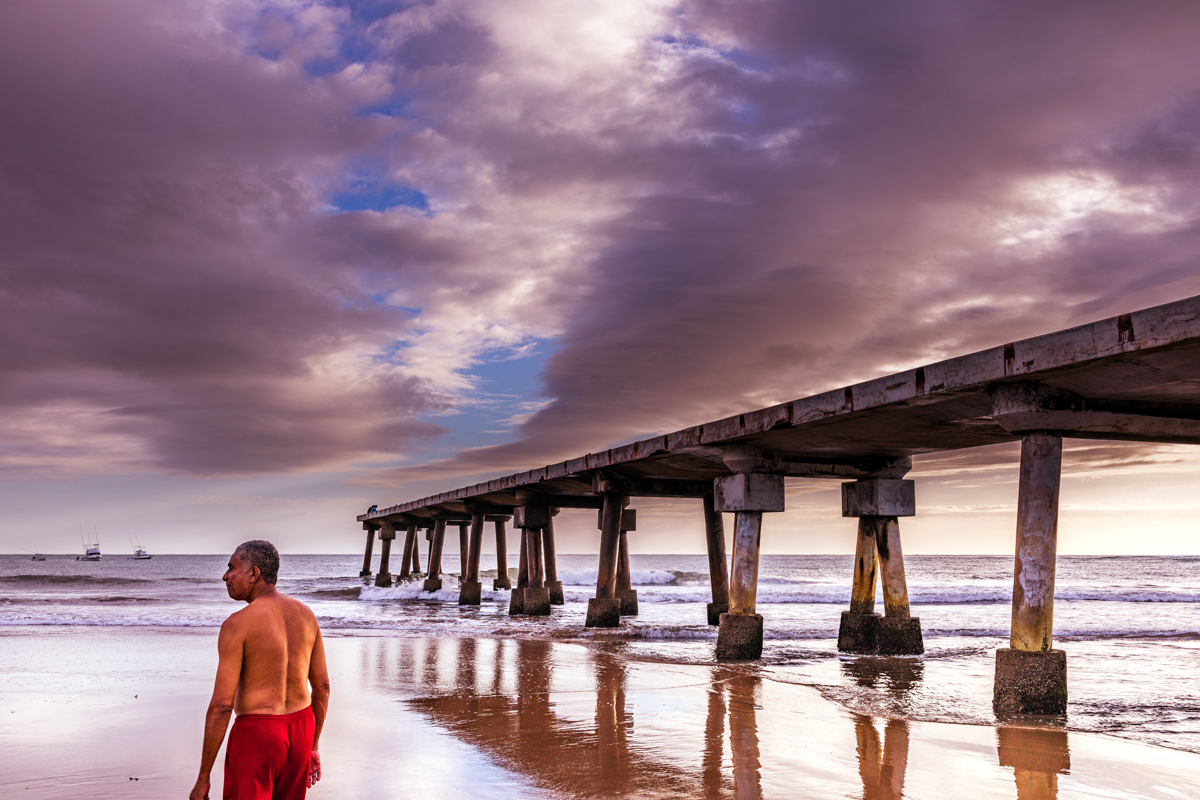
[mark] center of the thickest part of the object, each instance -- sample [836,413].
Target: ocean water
[1130,625]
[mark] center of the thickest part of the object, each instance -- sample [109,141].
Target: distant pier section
[1134,377]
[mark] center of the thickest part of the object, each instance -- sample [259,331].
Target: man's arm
[318,679]
[220,707]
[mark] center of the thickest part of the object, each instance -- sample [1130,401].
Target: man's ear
[255,574]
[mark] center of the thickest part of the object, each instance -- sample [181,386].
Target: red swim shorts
[267,756]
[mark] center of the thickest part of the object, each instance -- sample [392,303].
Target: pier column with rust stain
[625,591]
[531,520]
[718,567]
[747,495]
[387,532]
[410,539]
[878,503]
[370,528]
[470,591]
[502,581]
[553,584]
[434,582]
[1031,677]
[604,610]
[516,603]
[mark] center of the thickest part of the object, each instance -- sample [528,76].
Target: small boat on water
[139,552]
[90,553]
[36,556]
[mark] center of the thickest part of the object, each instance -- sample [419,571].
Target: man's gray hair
[262,554]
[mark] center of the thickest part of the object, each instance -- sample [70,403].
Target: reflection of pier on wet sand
[578,722]
[1135,377]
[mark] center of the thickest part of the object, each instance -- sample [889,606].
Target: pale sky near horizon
[264,263]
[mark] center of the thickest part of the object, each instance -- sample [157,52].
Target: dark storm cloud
[159,277]
[868,186]
[707,207]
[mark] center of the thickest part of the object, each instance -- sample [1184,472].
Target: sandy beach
[89,710]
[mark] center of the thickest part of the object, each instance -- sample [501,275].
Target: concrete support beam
[537,599]
[516,602]
[387,532]
[718,568]
[366,568]
[604,610]
[1031,677]
[748,495]
[410,540]
[878,502]
[502,581]
[1024,407]
[434,582]
[625,591]
[553,584]
[470,591]
[464,548]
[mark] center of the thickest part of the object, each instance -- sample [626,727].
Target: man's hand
[314,769]
[200,790]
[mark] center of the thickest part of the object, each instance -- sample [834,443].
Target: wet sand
[445,717]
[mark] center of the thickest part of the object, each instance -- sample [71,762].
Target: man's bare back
[270,654]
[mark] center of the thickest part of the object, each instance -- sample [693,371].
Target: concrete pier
[502,581]
[1031,677]
[625,591]
[604,610]
[470,591]
[718,567]
[537,598]
[464,547]
[410,539]
[553,584]
[387,532]
[434,582]
[1132,377]
[415,558]
[516,603]
[878,503]
[365,572]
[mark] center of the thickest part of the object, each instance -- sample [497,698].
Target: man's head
[253,567]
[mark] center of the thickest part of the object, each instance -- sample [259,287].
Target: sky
[264,263]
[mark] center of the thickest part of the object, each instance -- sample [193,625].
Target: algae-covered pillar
[748,496]
[1031,676]
[878,503]
[604,610]
[625,591]
[387,532]
[718,567]
[370,528]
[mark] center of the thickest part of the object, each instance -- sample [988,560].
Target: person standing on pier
[270,654]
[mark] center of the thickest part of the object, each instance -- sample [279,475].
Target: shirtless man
[270,652]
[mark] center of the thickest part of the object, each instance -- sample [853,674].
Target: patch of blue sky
[379,197]
[509,386]
[394,106]
[367,11]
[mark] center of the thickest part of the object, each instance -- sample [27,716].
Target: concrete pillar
[416,552]
[625,591]
[878,502]
[516,603]
[366,570]
[410,539]
[550,558]
[604,610]
[470,591]
[387,532]
[1031,677]
[463,551]
[748,495]
[429,551]
[537,598]
[502,581]
[434,582]
[718,567]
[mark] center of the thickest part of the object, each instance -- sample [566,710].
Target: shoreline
[515,710]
